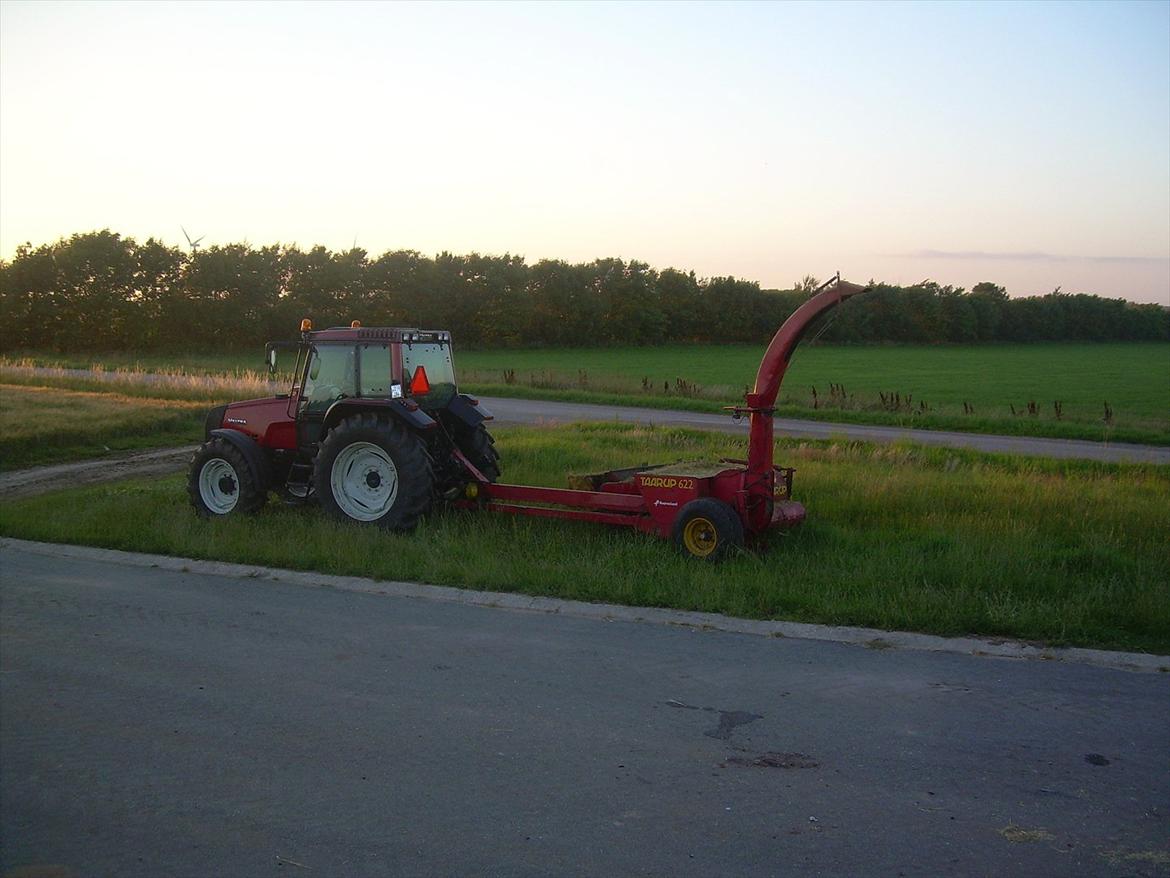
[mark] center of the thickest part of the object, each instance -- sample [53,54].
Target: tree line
[102,291]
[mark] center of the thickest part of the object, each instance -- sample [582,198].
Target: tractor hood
[265,420]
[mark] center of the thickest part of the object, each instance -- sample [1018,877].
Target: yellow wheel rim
[699,536]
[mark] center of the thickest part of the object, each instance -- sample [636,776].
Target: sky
[1024,144]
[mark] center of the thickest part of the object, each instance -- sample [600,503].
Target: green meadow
[984,388]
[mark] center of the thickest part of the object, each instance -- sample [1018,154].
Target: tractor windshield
[435,361]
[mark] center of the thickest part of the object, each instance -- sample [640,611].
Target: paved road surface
[180,724]
[528,411]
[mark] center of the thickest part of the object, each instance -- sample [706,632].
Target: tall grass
[162,384]
[900,537]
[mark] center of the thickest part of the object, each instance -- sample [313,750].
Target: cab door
[331,373]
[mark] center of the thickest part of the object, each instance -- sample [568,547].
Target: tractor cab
[356,363]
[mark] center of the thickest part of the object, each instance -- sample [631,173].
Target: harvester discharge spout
[788,336]
[761,400]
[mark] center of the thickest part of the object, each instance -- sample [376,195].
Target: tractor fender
[257,460]
[405,412]
[468,410]
[213,421]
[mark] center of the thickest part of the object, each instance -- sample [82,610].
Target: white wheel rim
[219,486]
[364,481]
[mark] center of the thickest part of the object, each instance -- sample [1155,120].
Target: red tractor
[375,429]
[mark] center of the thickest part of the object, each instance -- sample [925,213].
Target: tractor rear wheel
[708,529]
[374,472]
[480,448]
[220,481]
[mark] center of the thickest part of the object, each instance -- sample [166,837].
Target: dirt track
[37,480]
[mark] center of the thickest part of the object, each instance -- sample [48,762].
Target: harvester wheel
[708,529]
[220,481]
[374,472]
[480,448]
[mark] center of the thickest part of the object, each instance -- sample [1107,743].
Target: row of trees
[102,291]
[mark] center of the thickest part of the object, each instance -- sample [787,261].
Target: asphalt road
[529,411]
[163,723]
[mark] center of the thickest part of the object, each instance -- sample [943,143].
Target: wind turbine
[194,245]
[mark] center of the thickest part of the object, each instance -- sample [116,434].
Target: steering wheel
[325,392]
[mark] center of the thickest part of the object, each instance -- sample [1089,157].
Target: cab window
[375,370]
[331,376]
[436,362]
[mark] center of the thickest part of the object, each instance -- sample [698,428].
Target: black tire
[220,482]
[480,449]
[708,529]
[354,468]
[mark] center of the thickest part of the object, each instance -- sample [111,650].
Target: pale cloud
[1033,256]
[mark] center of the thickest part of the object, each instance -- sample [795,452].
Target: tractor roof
[392,334]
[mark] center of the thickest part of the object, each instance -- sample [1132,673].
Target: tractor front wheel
[708,529]
[220,481]
[374,472]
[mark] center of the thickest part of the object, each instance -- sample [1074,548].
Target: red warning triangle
[419,385]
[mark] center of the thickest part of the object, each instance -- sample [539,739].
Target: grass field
[962,388]
[1134,379]
[897,537]
[41,425]
[197,363]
